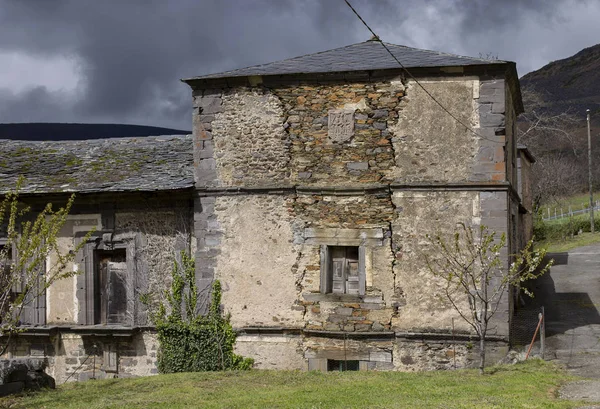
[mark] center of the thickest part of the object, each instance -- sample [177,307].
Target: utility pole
[590,172]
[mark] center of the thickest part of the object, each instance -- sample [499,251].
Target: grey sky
[120,61]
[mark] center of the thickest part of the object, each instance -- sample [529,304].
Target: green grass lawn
[530,385]
[584,239]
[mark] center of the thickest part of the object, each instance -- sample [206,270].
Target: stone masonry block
[498,107]
[206,153]
[357,165]
[209,105]
[491,120]
[380,356]
[485,154]
[208,200]
[492,84]
[207,164]
[344,311]
[200,225]
[204,134]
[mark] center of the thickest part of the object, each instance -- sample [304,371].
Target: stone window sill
[330,297]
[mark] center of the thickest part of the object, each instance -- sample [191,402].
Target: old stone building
[317,180]
[307,188]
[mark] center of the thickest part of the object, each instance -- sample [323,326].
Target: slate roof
[102,165]
[369,55]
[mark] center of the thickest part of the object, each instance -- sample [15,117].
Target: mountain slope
[62,131]
[571,83]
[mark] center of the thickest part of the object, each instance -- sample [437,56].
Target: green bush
[189,341]
[562,229]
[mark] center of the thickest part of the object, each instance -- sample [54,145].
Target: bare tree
[475,277]
[26,244]
[553,139]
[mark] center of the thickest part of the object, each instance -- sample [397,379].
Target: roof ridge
[353,57]
[445,53]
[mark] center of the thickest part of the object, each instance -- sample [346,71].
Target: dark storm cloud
[131,54]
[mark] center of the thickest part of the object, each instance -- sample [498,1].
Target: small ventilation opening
[339,365]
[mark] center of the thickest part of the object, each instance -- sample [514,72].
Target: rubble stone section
[319,156]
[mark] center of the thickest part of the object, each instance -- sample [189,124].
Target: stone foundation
[82,355]
[375,352]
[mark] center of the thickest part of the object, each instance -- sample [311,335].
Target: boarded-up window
[342,270]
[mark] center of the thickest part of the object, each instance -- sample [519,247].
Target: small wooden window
[342,270]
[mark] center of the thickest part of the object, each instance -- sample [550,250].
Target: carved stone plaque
[340,125]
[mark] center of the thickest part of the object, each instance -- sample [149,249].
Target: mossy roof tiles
[150,163]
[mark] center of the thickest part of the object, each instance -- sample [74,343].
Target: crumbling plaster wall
[258,262]
[272,351]
[420,213]
[429,144]
[278,136]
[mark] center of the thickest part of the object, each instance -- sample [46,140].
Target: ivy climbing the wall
[189,341]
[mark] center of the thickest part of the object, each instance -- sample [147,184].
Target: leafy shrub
[561,229]
[189,341]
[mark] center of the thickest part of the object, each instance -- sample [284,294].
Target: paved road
[572,302]
[571,296]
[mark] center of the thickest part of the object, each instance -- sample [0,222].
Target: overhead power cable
[378,39]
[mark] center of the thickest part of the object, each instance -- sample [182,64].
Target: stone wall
[258,263]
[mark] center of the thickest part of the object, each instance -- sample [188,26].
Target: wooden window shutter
[34,310]
[325,284]
[90,286]
[116,294]
[362,275]
[40,304]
